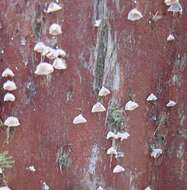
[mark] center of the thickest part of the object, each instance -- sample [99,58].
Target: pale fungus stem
[7,134]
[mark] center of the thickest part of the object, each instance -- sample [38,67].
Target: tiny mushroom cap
[97,23]
[60,64]
[131,105]
[151,98]
[148,188]
[100,188]
[118,169]
[170,2]
[111,151]
[9,97]
[171,103]
[104,91]
[55,29]
[79,119]
[134,15]
[5,188]
[123,135]
[32,168]
[44,69]
[156,152]
[110,134]
[12,122]
[40,47]
[175,8]
[9,85]
[171,37]
[98,107]
[53,7]
[8,73]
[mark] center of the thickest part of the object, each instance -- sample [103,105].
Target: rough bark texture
[132,59]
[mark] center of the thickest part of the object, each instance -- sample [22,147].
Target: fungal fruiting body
[119,155]
[98,107]
[55,29]
[131,105]
[44,69]
[8,73]
[9,85]
[53,7]
[9,97]
[123,135]
[100,188]
[40,47]
[171,103]
[111,151]
[60,64]
[151,98]
[134,15]
[148,188]
[175,8]
[171,37]
[156,152]
[118,169]
[97,23]
[54,53]
[110,134]
[5,188]
[12,122]
[79,119]
[170,2]
[104,91]
[45,186]
[32,168]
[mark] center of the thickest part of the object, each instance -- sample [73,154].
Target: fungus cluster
[174,6]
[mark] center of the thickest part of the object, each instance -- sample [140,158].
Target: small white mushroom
[100,188]
[40,47]
[53,7]
[111,151]
[55,29]
[131,105]
[5,188]
[97,23]
[60,64]
[98,107]
[8,73]
[12,122]
[175,8]
[119,155]
[44,69]
[118,169]
[9,85]
[123,135]
[32,168]
[148,188]
[79,119]
[170,37]
[110,134]
[54,53]
[171,103]
[151,98]
[1,171]
[9,97]
[170,2]
[104,91]
[156,152]
[60,52]
[45,186]
[134,15]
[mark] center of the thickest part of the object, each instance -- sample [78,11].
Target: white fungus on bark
[118,169]
[100,188]
[12,122]
[5,188]
[59,64]
[131,105]
[134,15]
[97,23]
[44,69]
[170,37]
[148,188]
[156,152]
[170,2]
[151,98]
[79,119]
[123,135]
[175,8]
[32,168]
[110,134]
[9,97]
[104,91]
[111,151]
[9,85]
[45,186]
[98,107]
[55,29]
[53,7]
[40,47]
[7,73]
[171,103]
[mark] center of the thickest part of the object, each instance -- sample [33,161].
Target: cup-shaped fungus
[9,85]
[79,119]
[8,73]
[44,69]
[151,98]
[59,64]
[118,169]
[131,105]
[104,91]
[98,107]
[134,15]
[53,7]
[9,97]
[171,103]
[55,29]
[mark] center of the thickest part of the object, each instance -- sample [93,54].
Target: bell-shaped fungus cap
[98,107]
[151,98]
[8,73]
[104,91]
[134,15]
[79,119]
[59,64]
[53,7]
[118,169]
[9,97]
[12,122]
[9,85]
[55,29]
[44,69]
[131,105]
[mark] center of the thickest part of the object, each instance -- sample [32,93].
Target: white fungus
[119,155]
[131,105]
[45,186]
[54,53]
[110,134]
[171,103]
[134,15]
[40,47]
[5,188]
[9,85]
[60,64]
[100,188]
[9,97]
[156,152]
[170,37]
[175,8]
[44,69]
[8,73]
[170,2]
[97,23]
[53,7]
[1,170]
[98,107]
[32,168]
[148,188]
[12,122]
[151,98]
[123,135]
[104,91]
[111,151]
[55,29]
[118,169]
[79,119]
